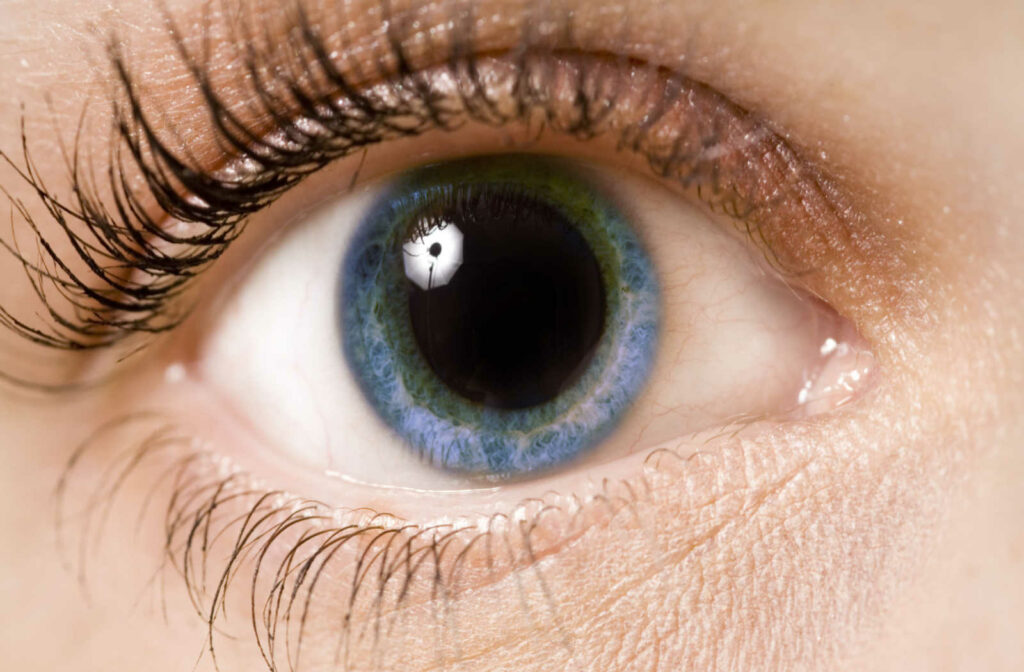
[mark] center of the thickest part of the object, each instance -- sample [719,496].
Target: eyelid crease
[321,109]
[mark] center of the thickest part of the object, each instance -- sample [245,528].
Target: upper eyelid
[224,202]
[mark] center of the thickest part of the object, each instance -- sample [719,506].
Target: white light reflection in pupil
[432,259]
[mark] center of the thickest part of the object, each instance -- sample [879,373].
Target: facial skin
[883,537]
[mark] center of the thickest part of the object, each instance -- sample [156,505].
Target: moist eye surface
[513,304]
[499,314]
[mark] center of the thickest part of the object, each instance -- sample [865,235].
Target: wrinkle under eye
[387,565]
[499,314]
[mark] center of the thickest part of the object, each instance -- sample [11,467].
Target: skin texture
[885,538]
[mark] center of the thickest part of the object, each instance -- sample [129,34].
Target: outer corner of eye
[501,317]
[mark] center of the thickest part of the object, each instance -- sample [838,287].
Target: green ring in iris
[448,429]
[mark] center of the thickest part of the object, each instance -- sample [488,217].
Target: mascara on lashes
[686,131]
[669,131]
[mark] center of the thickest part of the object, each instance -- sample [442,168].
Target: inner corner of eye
[501,317]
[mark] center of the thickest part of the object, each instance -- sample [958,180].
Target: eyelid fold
[313,104]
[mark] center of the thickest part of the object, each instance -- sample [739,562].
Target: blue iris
[448,427]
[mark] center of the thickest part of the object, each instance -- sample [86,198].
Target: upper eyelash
[136,268]
[112,307]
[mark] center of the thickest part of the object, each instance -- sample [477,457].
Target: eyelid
[667,474]
[687,132]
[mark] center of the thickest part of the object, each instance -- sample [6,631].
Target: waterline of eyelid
[840,369]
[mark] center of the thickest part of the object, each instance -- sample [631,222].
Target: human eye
[476,314]
[463,326]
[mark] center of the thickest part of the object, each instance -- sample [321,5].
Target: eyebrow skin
[899,127]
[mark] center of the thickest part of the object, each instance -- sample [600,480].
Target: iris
[499,313]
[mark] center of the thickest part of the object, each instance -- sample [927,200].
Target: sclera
[738,343]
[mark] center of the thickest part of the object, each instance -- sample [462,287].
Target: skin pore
[882,537]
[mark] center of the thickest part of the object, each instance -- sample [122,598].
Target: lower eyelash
[223,532]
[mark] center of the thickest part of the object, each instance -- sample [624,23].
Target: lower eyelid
[523,562]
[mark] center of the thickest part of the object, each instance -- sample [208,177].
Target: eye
[501,317]
[492,298]
[497,315]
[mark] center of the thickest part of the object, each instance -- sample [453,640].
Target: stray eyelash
[315,106]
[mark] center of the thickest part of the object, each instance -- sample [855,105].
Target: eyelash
[138,273]
[293,541]
[137,270]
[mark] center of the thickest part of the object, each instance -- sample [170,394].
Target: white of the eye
[276,352]
[432,259]
[734,342]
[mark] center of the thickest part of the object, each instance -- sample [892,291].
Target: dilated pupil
[519,320]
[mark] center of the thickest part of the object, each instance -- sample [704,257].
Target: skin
[885,539]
